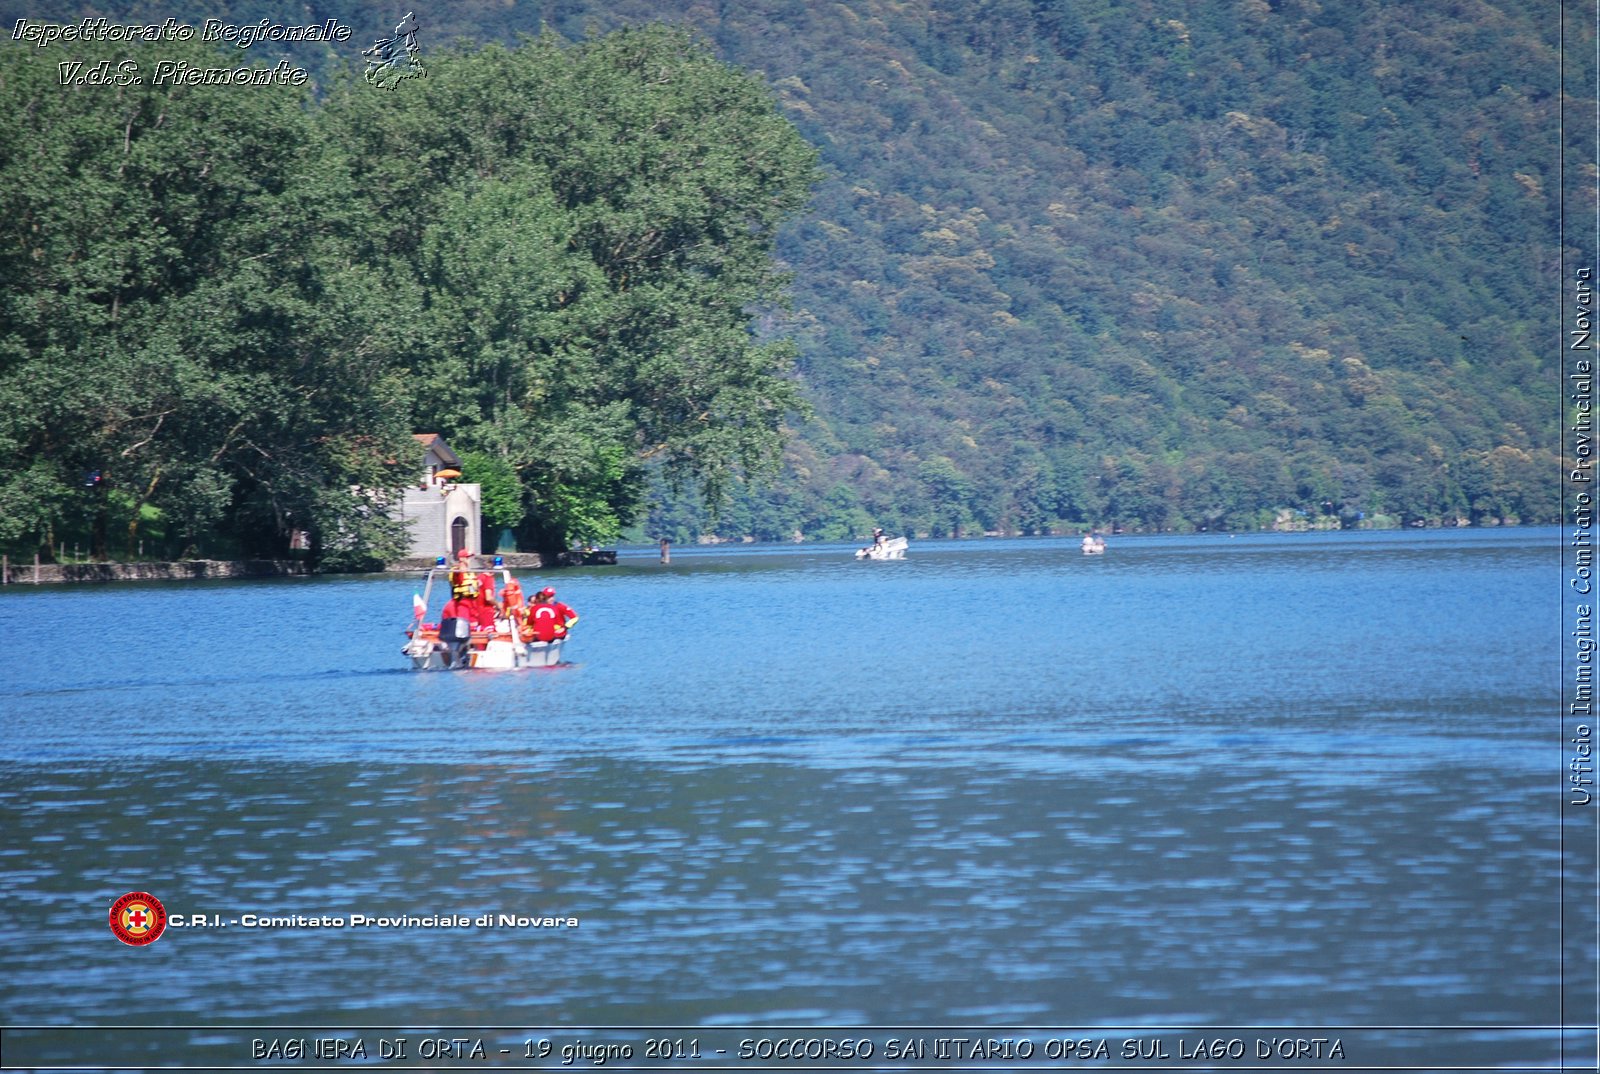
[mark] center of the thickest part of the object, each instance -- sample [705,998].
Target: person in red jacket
[484,604]
[548,618]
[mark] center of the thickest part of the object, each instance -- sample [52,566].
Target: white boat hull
[894,548]
[497,654]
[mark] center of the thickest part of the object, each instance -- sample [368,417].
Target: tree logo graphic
[386,66]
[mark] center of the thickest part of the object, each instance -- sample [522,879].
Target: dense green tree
[182,334]
[590,231]
[500,490]
[224,309]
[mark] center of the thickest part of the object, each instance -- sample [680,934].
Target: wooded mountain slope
[1115,262]
[1166,265]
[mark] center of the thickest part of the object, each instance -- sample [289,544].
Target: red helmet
[463,554]
[547,592]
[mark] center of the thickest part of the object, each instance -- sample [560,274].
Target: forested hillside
[1168,264]
[1115,262]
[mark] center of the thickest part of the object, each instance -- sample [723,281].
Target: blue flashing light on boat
[499,561]
[439,562]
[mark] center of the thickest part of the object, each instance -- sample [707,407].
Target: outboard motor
[455,635]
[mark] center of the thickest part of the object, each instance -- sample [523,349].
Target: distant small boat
[890,548]
[1093,546]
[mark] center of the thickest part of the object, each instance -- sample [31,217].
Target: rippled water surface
[1298,780]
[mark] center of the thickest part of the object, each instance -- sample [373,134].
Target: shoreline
[203,569]
[25,573]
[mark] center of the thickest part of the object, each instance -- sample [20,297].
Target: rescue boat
[501,647]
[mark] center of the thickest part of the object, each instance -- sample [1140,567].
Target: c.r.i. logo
[138,918]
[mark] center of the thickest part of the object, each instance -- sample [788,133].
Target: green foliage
[580,508]
[589,230]
[499,487]
[180,316]
[234,305]
[1070,264]
[1167,268]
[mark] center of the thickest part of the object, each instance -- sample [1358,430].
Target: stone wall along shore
[190,569]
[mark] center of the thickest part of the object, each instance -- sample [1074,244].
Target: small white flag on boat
[417,607]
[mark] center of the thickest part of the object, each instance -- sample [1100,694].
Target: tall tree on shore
[590,232]
[182,328]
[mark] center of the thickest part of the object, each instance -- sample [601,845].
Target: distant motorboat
[1093,546]
[889,548]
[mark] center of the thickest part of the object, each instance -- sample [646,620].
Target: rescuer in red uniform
[548,618]
[485,606]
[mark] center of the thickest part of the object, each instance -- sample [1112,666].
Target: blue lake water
[1269,780]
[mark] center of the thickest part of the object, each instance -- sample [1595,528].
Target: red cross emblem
[138,918]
